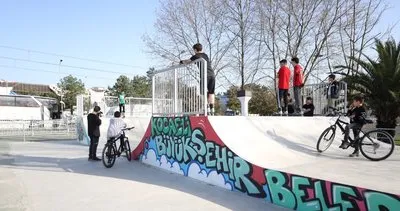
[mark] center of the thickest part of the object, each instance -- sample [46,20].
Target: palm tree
[379,82]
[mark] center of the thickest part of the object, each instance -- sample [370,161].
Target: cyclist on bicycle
[115,128]
[357,115]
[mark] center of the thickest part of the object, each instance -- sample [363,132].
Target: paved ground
[57,176]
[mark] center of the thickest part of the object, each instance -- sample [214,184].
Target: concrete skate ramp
[289,144]
[236,153]
[135,135]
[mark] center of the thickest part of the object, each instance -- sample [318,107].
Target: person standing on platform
[121,99]
[297,83]
[283,85]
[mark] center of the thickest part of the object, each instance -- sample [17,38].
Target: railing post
[153,86]
[204,69]
[23,129]
[175,91]
[345,97]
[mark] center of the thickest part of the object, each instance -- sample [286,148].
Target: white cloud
[213,177]
[151,159]
[164,164]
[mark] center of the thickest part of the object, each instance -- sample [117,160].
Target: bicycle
[110,151]
[367,139]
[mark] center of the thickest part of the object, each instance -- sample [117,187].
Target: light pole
[62,91]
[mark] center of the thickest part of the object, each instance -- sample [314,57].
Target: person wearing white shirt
[115,128]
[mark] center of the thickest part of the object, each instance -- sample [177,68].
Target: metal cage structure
[180,90]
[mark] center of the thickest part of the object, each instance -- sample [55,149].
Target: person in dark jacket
[357,115]
[332,91]
[94,123]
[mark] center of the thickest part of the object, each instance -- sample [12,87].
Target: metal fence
[134,106]
[180,90]
[320,100]
[37,129]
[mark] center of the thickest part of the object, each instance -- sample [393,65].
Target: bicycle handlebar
[127,128]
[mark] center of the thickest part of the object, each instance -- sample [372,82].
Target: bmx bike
[111,152]
[370,143]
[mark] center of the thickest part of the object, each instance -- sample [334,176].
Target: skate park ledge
[190,146]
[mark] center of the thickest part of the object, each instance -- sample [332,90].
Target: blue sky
[96,29]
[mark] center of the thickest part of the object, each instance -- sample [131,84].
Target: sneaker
[96,159]
[354,154]
[344,145]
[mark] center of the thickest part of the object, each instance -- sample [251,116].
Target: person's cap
[96,109]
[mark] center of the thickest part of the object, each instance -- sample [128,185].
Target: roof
[26,87]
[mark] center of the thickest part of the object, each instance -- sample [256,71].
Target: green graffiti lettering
[198,142]
[319,194]
[156,124]
[380,201]
[230,165]
[165,125]
[179,122]
[243,181]
[172,127]
[187,130]
[210,156]
[179,150]
[300,194]
[338,192]
[188,152]
[168,142]
[280,195]
[222,161]
[160,145]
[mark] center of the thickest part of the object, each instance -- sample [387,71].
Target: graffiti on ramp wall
[81,130]
[190,147]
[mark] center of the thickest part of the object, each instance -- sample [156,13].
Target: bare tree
[356,29]
[182,23]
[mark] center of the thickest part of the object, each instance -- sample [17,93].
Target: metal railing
[134,106]
[180,90]
[320,99]
[38,129]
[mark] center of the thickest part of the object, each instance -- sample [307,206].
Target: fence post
[175,91]
[345,97]
[153,91]
[204,69]
[23,129]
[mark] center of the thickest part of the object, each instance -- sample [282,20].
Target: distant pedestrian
[332,91]
[283,84]
[121,99]
[298,82]
[94,123]
[308,108]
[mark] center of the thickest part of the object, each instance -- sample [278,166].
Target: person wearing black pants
[94,123]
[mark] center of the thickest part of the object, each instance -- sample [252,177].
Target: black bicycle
[111,152]
[370,143]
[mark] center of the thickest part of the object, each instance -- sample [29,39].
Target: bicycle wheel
[326,139]
[109,155]
[376,145]
[128,150]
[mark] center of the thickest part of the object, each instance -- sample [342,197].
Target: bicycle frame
[114,140]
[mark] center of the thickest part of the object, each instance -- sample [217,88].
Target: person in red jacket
[283,84]
[297,83]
